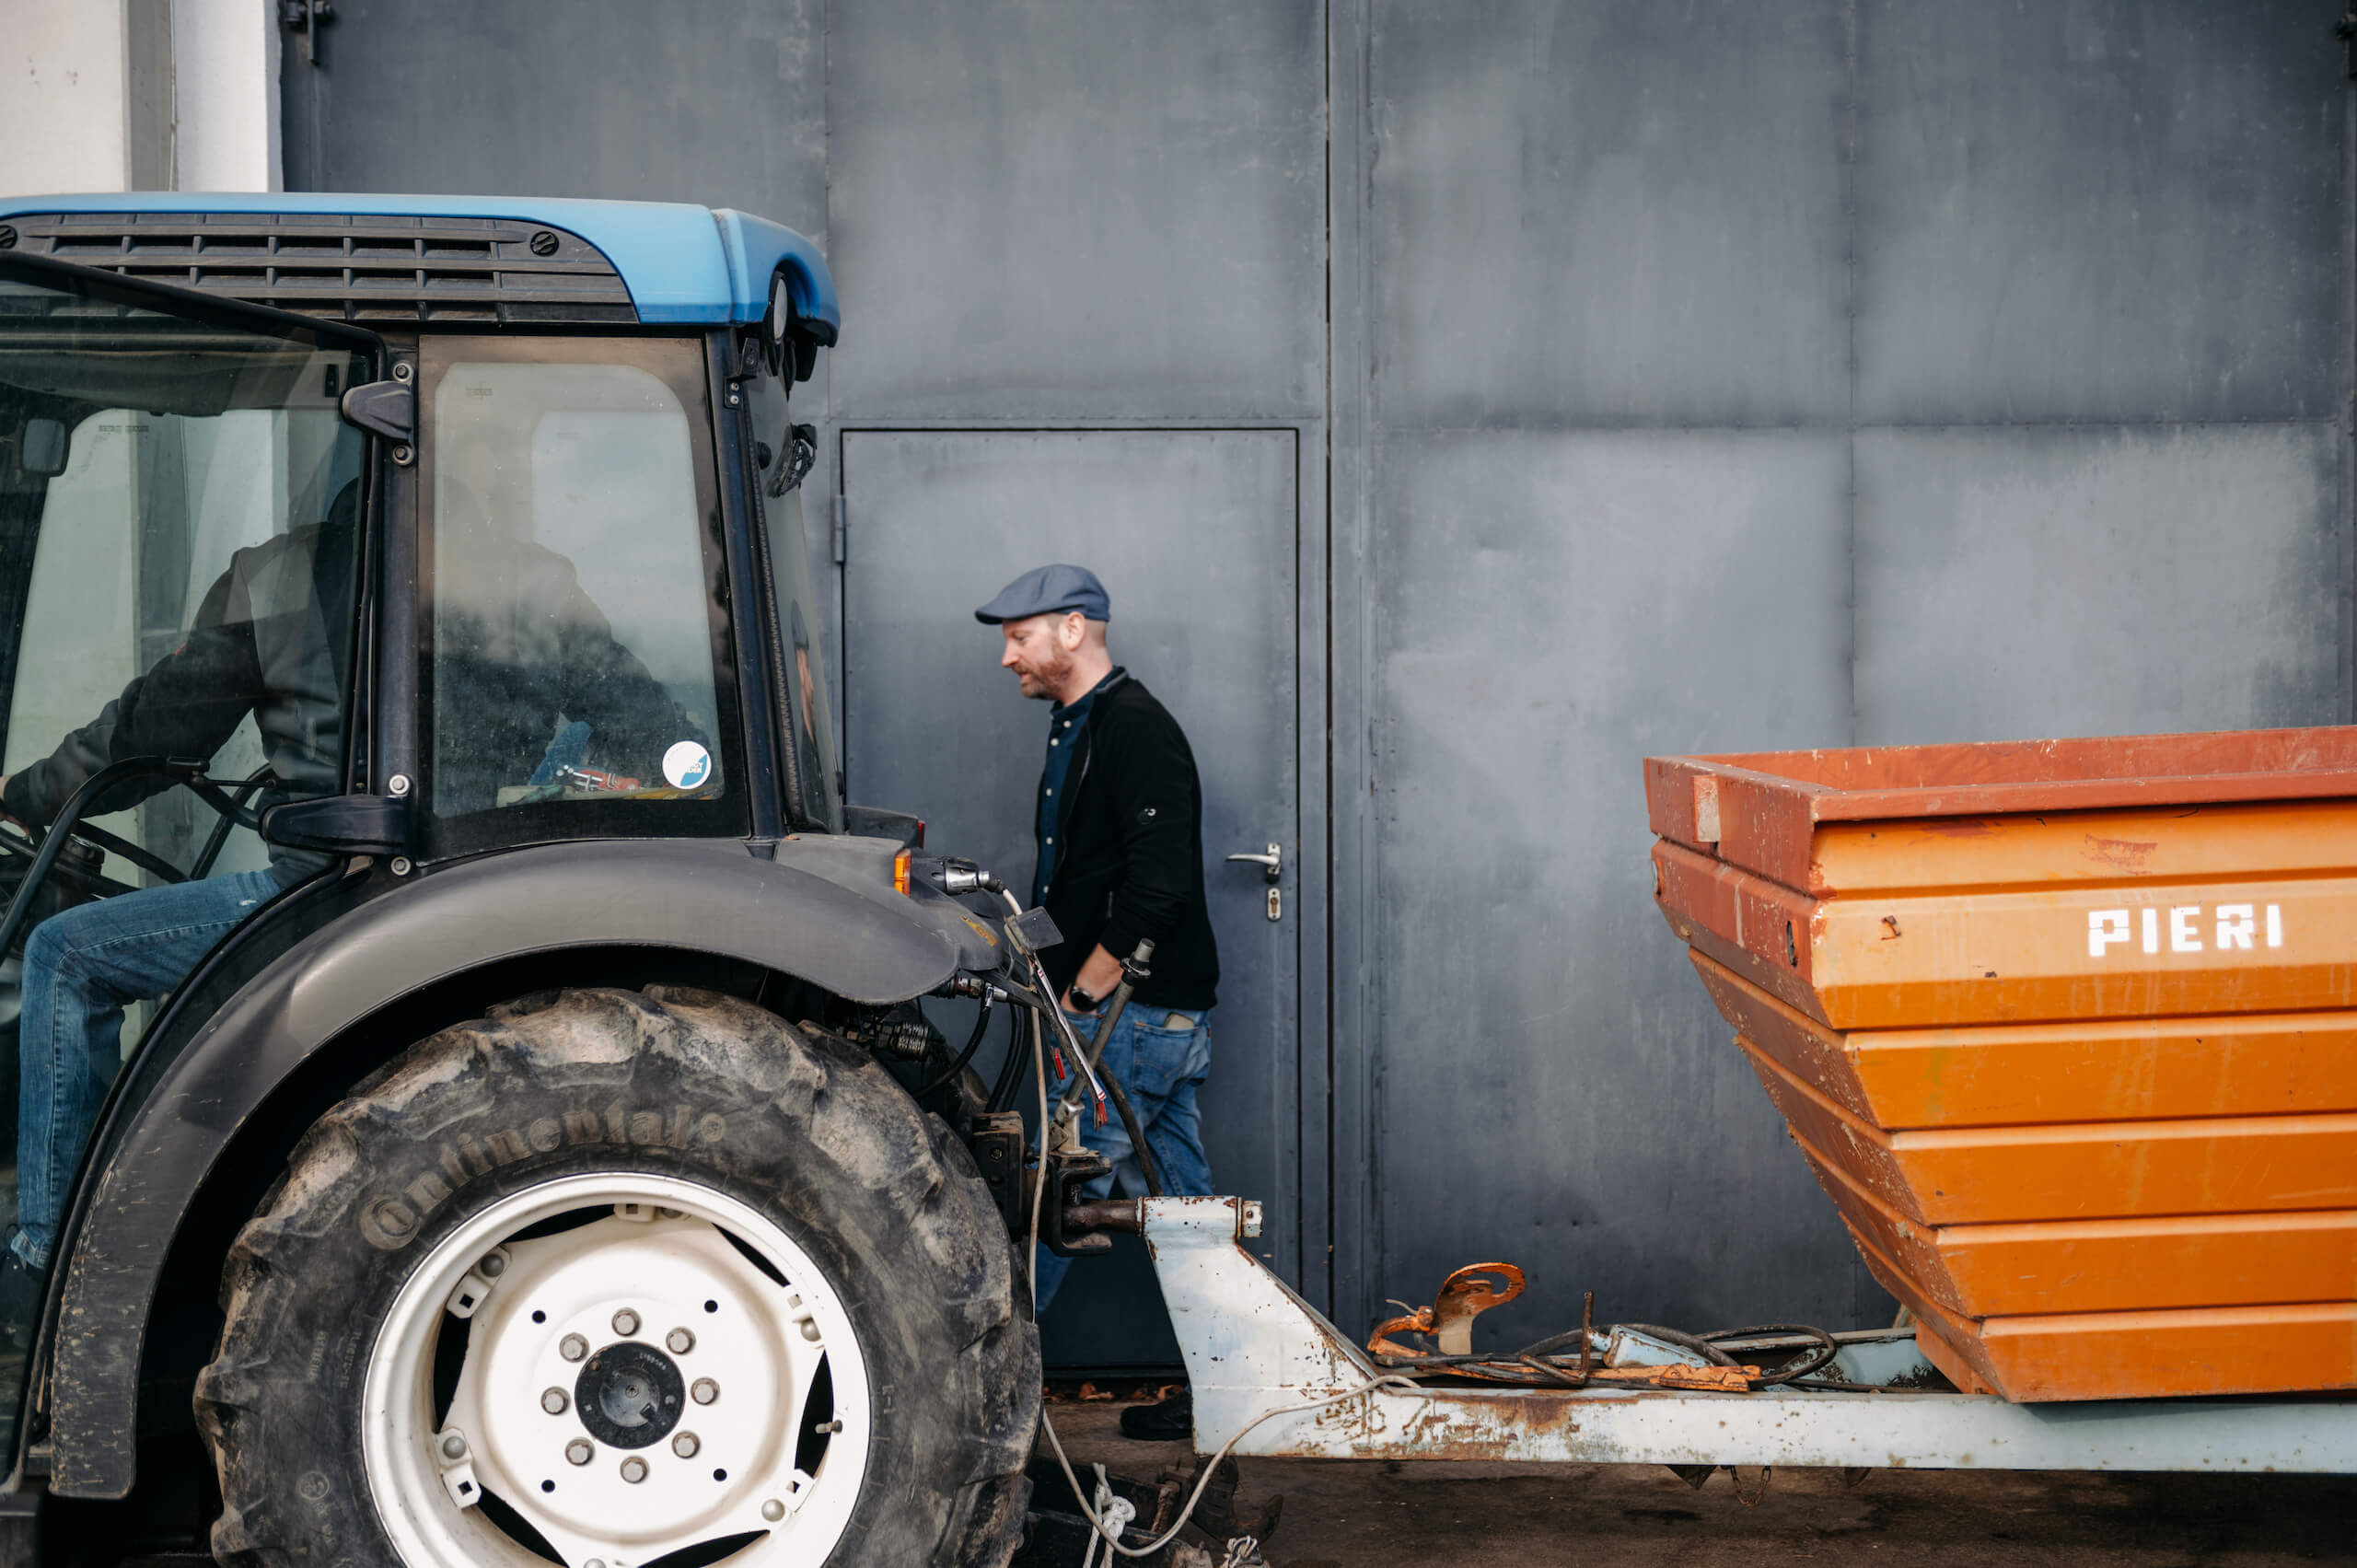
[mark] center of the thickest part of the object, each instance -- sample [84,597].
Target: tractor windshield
[179,541]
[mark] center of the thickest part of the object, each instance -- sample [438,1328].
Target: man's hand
[1098,977]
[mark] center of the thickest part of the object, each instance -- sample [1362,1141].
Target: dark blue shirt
[1064,726]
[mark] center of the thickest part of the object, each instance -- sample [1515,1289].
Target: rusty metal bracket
[1464,1295]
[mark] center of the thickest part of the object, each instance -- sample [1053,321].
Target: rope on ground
[1115,1510]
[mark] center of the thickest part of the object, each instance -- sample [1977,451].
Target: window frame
[767,536]
[676,360]
[360,705]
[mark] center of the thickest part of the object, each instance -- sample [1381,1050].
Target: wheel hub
[630,1395]
[686,1424]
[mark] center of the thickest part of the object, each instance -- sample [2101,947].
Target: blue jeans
[1159,1068]
[81,966]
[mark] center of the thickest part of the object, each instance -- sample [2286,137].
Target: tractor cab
[406,639]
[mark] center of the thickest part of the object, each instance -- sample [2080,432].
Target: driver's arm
[187,705]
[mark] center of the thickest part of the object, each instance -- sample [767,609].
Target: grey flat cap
[1044,590]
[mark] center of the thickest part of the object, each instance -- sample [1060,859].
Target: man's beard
[1041,684]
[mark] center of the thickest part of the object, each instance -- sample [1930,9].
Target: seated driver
[264,644]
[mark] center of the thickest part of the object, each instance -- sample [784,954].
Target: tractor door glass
[575,658]
[180,534]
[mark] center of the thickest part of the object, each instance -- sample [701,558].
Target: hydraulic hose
[977,880]
[1146,1168]
[973,1043]
[1010,1071]
[1133,971]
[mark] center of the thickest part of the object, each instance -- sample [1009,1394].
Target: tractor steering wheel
[75,850]
[78,864]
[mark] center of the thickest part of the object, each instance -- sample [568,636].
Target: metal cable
[1545,1357]
[1824,1355]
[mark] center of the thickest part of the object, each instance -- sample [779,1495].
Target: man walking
[1119,821]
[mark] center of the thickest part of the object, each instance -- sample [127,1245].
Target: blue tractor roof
[681,263]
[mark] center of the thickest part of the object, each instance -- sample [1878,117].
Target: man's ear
[1073,630]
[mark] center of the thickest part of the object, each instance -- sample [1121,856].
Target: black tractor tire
[807,1129]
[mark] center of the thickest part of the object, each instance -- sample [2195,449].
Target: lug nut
[573,1347]
[810,1331]
[625,1322]
[680,1341]
[454,1446]
[685,1445]
[492,1266]
[553,1401]
[634,1469]
[580,1451]
[772,1510]
[703,1390]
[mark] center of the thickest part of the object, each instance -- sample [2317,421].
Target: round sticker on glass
[687,765]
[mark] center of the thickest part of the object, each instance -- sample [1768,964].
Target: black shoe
[21,1288]
[1168,1420]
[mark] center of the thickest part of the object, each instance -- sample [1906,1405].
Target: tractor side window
[798,606]
[576,655]
[176,579]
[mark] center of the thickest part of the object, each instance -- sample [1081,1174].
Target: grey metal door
[1193,534]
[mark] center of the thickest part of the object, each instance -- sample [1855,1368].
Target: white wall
[129,95]
[225,93]
[61,120]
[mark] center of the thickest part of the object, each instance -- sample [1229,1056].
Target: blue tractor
[474,1105]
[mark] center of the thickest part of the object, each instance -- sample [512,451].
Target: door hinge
[386,408]
[843,527]
[307,17]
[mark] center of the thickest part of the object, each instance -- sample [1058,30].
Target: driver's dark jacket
[263,643]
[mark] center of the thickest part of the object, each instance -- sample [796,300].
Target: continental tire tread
[806,1128]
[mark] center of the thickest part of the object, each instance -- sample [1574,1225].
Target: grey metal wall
[1668,377]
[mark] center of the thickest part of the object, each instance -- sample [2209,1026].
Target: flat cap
[1046,590]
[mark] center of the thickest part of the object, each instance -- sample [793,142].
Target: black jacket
[1131,856]
[262,644]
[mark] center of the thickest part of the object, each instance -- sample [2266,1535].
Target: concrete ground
[1416,1515]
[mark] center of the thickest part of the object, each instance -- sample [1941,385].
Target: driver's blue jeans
[81,968]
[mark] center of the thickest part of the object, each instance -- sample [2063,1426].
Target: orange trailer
[2068,1031]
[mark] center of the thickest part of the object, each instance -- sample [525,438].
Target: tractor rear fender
[820,909]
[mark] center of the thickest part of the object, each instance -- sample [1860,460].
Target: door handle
[1272,864]
[1273,870]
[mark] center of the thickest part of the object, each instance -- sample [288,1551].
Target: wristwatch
[1082,1001]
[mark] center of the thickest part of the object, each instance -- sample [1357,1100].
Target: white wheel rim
[653,1482]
